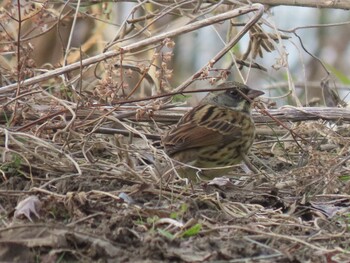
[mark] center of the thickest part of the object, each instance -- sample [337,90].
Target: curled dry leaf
[220,181]
[126,198]
[28,206]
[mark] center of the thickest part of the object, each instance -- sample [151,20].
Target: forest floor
[70,196]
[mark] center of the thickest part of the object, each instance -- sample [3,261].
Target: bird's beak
[253,93]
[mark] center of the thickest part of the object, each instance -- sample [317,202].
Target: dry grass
[85,179]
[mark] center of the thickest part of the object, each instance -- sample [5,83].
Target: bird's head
[237,96]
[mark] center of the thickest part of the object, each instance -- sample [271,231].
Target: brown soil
[296,210]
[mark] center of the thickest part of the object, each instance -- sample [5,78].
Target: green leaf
[345,177]
[184,208]
[174,215]
[152,220]
[194,230]
[340,75]
[165,233]
[180,98]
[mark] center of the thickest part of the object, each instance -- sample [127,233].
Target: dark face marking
[237,93]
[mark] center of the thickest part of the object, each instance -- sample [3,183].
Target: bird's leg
[250,166]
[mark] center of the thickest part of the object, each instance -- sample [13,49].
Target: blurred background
[291,69]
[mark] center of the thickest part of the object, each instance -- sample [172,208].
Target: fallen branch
[284,114]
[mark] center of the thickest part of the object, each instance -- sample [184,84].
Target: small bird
[217,133]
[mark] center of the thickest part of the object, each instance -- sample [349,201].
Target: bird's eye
[234,92]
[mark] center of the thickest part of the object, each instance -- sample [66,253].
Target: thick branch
[295,114]
[340,4]
[291,114]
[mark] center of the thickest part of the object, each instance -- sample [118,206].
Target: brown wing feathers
[212,125]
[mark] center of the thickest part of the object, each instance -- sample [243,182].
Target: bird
[217,133]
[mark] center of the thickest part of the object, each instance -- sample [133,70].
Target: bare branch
[136,46]
[340,4]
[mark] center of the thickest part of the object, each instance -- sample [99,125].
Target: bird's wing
[205,125]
